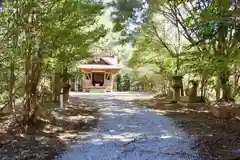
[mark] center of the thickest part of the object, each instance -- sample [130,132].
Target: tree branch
[161,40]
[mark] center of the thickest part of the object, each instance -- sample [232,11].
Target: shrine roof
[99,66]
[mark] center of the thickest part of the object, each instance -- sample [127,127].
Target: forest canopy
[196,39]
[41,44]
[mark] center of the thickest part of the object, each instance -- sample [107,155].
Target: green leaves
[127,16]
[53,34]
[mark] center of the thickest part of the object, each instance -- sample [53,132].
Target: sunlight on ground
[79,117]
[116,95]
[124,126]
[66,136]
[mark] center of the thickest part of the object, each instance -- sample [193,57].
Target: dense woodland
[42,42]
[195,39]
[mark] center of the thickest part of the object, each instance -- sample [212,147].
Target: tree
[215,34]
[41,39]
[212,30]
[127,16]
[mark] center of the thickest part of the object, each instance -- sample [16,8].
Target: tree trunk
[227,95]
[31,99]
[182,90]
[11,98]
[65,84]
[12,78]
[202,89]
[217,87]
[223,52]
[27,95]
[57,87]
[33,64]
[217,90]
[236,90]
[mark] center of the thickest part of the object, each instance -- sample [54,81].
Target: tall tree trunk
[33,64]
[202,89]
[57,87]
[31,84]
[182,90]
[12,78]
[236,81]
[27,96]
[218,89]
[223,53]
[227,95]
[11,99]
[65,84]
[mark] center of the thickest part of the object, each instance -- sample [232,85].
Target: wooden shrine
[99,74]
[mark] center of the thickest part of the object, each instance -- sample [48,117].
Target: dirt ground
[51,136]
[216,139]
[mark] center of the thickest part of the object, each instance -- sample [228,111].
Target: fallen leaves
[48,138]
[215,138]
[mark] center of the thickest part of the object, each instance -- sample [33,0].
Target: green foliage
[211,29]
[49,38]
[127,16]
[123,82]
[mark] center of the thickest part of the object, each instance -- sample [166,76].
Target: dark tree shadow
[215,138]
[49,136]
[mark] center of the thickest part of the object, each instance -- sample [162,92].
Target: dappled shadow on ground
[129,146]
[215,138]
[29,147]
[50,135]
[127,132]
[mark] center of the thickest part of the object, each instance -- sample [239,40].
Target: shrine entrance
[99,74]
[97,78]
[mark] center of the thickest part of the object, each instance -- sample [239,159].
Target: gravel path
[127,132]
